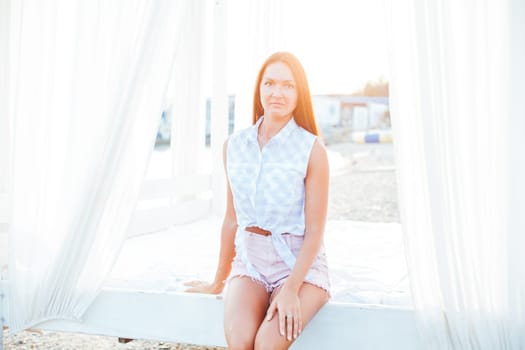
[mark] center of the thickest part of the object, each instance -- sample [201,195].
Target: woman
[272,233]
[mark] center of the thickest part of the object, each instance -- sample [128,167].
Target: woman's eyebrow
[284,81]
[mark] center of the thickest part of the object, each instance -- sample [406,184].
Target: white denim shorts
[271,268]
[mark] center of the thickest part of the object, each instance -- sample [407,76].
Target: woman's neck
[270,126]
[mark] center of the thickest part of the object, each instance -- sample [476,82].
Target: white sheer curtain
[87,80]
[453,119]
[4,134]
[255,31]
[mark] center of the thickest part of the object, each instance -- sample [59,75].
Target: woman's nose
[277,91]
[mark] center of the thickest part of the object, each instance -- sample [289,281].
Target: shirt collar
[282,135]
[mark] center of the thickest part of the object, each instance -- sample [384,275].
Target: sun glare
[342,44]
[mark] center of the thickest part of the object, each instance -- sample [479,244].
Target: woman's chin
[278,114]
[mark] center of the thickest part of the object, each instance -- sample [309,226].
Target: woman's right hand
[204,287]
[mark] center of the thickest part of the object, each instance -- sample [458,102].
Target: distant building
[340,115]
[357,112]
[327,110]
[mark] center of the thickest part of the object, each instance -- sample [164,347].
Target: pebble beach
[362,188]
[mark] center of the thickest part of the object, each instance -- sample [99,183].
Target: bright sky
[341,43]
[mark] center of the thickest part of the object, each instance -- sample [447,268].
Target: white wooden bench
[198,319]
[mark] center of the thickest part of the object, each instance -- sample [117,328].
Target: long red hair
[304,112]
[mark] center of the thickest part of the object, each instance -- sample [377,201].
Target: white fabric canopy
[87,82]
[257,27]
[453,102]
[4,134]
[86,85]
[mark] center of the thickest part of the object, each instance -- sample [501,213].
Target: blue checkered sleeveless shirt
[268,184]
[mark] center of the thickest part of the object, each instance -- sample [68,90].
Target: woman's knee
[268,337]
[238,341]
[271,343]
[244,309]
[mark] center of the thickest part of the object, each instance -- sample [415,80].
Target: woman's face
[278,91]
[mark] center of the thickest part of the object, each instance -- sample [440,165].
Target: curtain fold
[257,27]
[87,82]
[4,134]
[451,83]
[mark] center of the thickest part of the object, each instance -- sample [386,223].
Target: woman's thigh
[312,299]
[245,306]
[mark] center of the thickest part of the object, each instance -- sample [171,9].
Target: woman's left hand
[288,307]
[204,287]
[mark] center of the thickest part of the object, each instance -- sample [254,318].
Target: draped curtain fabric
[86,87]
[4,134]
[257,27]
[453,118]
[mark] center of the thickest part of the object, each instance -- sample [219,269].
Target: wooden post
[219,105]
[515,164]
[187,140]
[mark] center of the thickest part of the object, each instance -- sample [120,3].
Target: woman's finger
[194,283]
[193,290]
[299,322]
[282,322]
[296,325]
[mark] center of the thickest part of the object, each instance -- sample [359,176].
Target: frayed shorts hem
[270,289]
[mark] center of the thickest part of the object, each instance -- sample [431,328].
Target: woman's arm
[315,207]
[227,251]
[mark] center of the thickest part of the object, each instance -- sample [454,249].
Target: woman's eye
[267,83]
[290,86]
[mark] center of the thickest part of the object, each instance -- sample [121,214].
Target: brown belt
[258,230]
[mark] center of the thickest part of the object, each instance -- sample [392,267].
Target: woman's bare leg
[312,298]
[245,306]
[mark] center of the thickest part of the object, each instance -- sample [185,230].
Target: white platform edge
[198,319]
